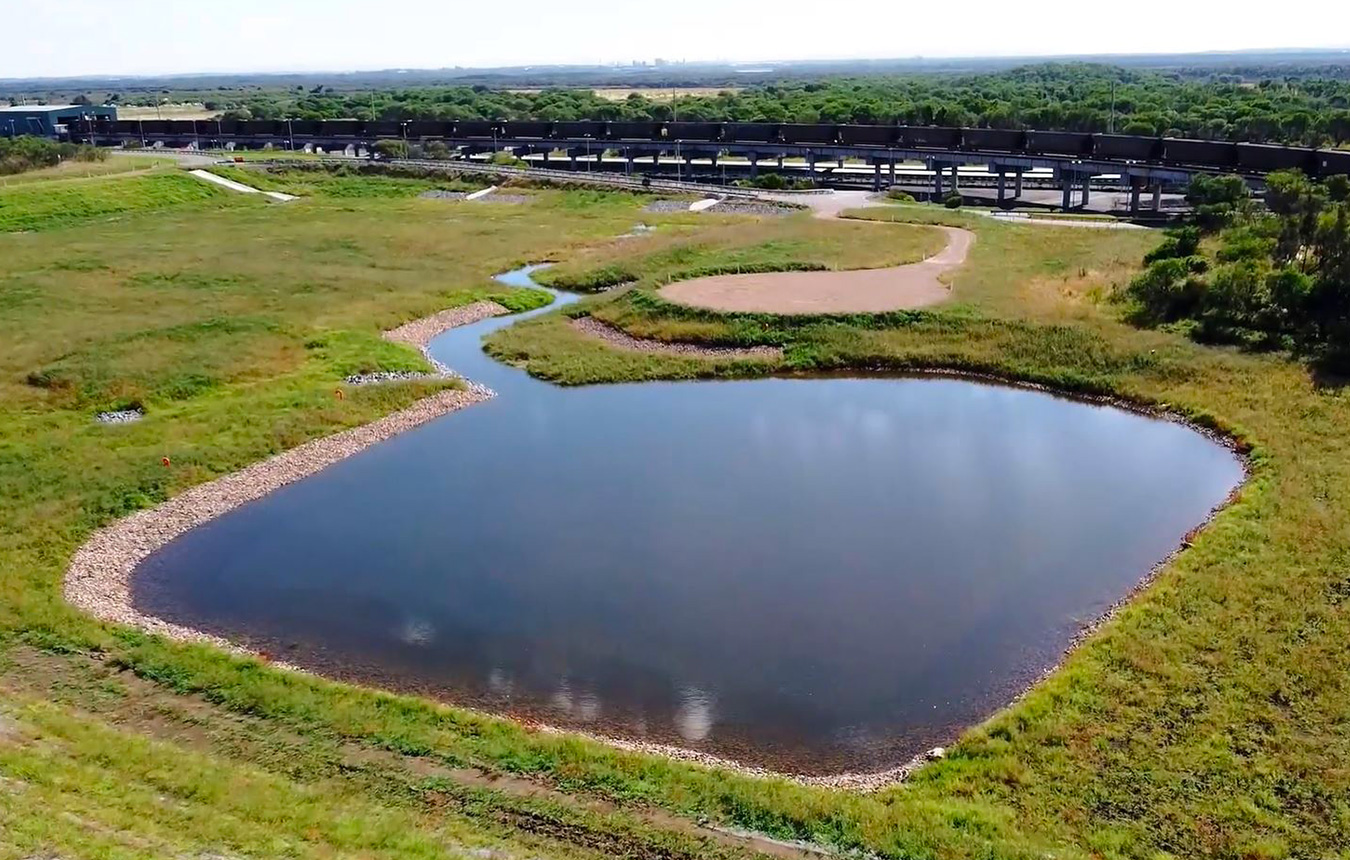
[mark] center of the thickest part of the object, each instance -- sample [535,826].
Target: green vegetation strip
[46,206]
[1207,719]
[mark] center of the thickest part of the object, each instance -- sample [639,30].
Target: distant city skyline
[149,37]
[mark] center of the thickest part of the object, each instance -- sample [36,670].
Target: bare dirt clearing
[914,285]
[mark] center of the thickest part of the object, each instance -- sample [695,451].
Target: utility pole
[1113,106]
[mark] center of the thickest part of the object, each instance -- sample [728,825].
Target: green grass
[1207,720]
[50,205]
[77,170]
[338,184]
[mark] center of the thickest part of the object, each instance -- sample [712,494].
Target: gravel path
[666,207]
[914,285]
[745,207]
[622,340]
[98,580]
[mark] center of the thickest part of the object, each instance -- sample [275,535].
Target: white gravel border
[98,580]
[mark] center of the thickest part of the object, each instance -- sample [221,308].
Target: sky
[55,38]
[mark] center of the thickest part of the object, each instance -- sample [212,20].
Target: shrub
[899,196]
[1167,290]
[952,201]
[1181,242]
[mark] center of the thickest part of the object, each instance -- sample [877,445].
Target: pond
[814,575]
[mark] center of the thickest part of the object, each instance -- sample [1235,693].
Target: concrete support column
[754,164]
[876,176]
[1017,185]
[546,155]
[937,181]
[780,162]
[892,169]
[1134,198]
[1087,190]
[1066,180]
[1157,197]
[811,166]
[956,179]
[573,159]
[628,162]
[841,163]
[1002,185]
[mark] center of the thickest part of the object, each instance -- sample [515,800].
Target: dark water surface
[813,574]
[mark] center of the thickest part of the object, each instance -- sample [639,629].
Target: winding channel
[811,576]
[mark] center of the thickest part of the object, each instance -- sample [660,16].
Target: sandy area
[914,285]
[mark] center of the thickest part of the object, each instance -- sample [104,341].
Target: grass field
[1207,720]
[169,111]
[50,205]
[75,170]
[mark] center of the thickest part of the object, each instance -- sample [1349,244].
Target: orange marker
[165,461]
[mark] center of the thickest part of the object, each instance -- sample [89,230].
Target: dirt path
[914,285]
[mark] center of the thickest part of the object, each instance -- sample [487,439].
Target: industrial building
[48,120]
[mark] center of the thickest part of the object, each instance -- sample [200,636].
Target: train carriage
[633,131]
[701,132]
[1331,162]
[527,130]
[810,133]
[307,127]
[422,129]
[868,135]
[993,139]
[339,128]
[1127,147]
[384,128]
[474,129]
[1261,157]
[750,132]
[585,130]
[929,137]
[1206,153]
[1071,143]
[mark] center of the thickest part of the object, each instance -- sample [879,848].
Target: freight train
[1201,154]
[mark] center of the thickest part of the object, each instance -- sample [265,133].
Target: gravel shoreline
[98,580]
[623,340]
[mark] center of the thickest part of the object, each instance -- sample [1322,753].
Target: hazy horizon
[140,38]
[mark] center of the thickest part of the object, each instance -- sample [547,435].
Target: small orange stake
[165,461]
[337,392]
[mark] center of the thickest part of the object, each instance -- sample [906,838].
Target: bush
[952,201]
[900,196]
[1181,242]
[1167,290]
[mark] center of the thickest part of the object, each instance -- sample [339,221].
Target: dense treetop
[1076,96]
[1273,276]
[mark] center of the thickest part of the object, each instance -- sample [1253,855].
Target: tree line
[1272,277]
[1083,97]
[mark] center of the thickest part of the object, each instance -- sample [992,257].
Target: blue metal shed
[47,120]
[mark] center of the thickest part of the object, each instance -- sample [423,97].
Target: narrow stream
[815,575]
